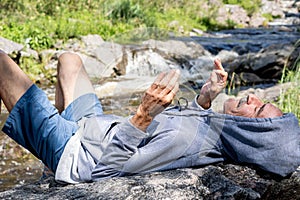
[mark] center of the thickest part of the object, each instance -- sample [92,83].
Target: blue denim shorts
[36,124]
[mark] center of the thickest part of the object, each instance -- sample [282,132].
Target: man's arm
[156,99]
[122,155]
[213,86]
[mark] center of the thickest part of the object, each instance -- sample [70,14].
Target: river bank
[120,72]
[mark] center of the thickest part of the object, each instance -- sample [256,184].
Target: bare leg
[72,80]
[13,81]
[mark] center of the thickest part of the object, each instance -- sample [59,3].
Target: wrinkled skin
[156,98]
[251,106]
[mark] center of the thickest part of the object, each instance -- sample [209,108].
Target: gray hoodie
[109,146]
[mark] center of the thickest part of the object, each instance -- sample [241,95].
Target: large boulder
[223,181]
[263,67]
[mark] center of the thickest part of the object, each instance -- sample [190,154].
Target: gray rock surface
[234,13]
[11,47]
[211,182]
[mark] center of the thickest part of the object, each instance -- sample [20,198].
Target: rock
[257,20]
[227,56]
[110,59]
[177,49]
[222,181]
[293,58]
[266,65]
[273,8]
[197,31]
[250,78]
[275,56]
[9,46]
[201,68]
[124,86]
[19,50]
[155,56]
[147,62]
[92,41]
[96,68]
[234,13]
[101,58]
[297,5]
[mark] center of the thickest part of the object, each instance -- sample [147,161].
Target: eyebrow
[261,109]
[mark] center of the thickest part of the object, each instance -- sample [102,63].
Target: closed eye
[261,109]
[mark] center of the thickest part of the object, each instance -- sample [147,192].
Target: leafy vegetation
[289,101]
[41,23]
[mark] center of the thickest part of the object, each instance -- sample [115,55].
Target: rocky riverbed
[253,56]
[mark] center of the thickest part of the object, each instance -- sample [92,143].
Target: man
[79,143]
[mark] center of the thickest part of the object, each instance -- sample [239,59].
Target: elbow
[102,172]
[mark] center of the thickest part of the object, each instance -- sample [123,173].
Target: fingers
[165,82]
[171,80]
[161,93]
[159,78]
[219,76]
[175,89]
[218,64]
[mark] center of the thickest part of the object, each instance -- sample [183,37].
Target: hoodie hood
[272,144]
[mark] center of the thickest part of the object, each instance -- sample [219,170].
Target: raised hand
[213,86]
[156,98]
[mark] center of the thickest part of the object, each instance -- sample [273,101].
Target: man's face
[251,106]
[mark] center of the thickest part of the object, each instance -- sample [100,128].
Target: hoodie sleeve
[271,144]
[130,151]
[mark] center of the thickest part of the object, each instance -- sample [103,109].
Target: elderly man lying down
[79,143]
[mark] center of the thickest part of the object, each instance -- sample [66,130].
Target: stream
[18,166]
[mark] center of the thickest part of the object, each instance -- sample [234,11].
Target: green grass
[289,101]
[41,23]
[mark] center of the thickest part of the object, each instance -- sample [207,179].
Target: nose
[253,99]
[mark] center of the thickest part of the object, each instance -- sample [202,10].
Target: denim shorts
[36,124]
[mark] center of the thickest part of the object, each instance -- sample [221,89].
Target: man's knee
[3,55]
[70,62]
